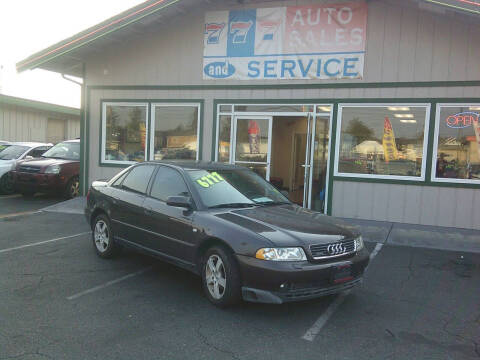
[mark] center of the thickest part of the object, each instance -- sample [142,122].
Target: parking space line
[6,216]
[322,320]
[108,283]
[42,242]
[10,196]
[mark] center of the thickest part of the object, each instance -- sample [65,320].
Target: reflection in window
[382,140]
[458,151]
[225,125]
[252,140]
[175,132]
[125,132]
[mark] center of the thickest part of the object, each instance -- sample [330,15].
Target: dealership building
[358,109]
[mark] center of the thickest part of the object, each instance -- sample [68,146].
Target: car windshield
[13,152]
[3,147]
[65,150]
[234,188]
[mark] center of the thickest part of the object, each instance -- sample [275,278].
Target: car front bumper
[279,282]
[38,182]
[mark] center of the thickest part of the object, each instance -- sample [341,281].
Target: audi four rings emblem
[335,249]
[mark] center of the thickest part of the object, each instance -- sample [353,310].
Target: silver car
[11,155]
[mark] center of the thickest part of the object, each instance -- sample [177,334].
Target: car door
[127,212]
[170,227]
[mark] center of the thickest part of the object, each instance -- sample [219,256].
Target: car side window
[168,182]
[37,152]
[138,178]
[117,182]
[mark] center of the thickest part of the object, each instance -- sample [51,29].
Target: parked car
[12,155]
[4,145]
[227,224]
[57,171]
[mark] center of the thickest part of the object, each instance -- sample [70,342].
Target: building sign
[462,120]
[299,42]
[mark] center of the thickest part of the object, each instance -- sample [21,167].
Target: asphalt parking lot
[60,301]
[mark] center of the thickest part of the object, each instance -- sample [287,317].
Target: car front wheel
[73,188]
[221,277]
[102,235]
[6,184]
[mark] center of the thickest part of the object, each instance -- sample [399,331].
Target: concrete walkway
[433,237]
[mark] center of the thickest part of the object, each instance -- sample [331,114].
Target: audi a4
[228,225]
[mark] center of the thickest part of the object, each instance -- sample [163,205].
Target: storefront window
[224,128]
[457,151]
[382,141]
[124,132]
[175,131]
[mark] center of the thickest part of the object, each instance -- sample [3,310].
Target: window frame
[155,104]
[127,173]
[153,178]
[338,134]
[433,175]
[103,131]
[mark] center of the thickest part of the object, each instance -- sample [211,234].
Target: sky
[28,26]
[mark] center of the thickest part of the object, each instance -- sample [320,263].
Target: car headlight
[281,254]
[52,169]
[359,243]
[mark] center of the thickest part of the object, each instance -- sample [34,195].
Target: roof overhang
[469,6]
[67,56]
[38,105]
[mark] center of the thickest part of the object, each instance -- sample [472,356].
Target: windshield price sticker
[209,180]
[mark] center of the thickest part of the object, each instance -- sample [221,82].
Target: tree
[359,130]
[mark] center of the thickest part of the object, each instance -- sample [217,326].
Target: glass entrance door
[318,163]
[252,143]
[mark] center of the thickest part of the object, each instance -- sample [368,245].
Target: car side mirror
[179,201]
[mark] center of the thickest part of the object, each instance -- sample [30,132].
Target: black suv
[230,226]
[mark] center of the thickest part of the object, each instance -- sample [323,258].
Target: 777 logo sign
[214,31]
[239,30]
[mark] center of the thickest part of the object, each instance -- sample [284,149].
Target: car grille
[336,249]
[29,169]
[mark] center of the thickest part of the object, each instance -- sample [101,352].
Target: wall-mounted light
[406,116]
[408,121]
[474,108]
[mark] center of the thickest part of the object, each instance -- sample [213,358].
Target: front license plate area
[341,274]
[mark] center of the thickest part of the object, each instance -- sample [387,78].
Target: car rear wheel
[73,188]
[6,184]
[221,277]
[103,237]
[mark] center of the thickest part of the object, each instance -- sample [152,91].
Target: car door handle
[148,211]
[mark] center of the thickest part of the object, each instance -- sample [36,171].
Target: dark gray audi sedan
[230,226]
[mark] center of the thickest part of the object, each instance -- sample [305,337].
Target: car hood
[291,225]
[44,162]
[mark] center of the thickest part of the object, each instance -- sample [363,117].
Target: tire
[6,184]
[102,237]
[72,189]
[218,294]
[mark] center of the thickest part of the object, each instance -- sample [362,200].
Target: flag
[389,146]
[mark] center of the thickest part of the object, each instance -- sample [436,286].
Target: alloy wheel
[74,188]
[102,236]
[215,276]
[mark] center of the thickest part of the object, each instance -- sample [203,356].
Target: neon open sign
[462,120]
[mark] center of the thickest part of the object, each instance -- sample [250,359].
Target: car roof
[198,165]
[31,144]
